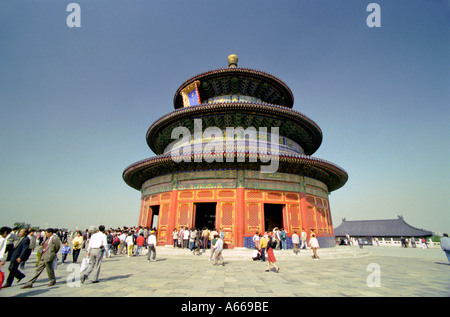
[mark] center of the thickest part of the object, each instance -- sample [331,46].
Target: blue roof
[379,228]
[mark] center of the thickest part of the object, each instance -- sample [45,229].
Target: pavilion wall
[240,197]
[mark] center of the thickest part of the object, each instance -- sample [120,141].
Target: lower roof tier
[330,174]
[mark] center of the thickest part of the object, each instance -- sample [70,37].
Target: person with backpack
[115,244]
[140,241]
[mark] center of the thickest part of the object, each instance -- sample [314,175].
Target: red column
[240,216]
[173,208]
[303,210]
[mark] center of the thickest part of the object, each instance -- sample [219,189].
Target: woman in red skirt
[270,256]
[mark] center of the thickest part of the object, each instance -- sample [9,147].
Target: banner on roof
[191,95]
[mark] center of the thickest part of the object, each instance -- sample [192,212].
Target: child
[65,251]
[256,255]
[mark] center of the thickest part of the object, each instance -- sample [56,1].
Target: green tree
[22,225]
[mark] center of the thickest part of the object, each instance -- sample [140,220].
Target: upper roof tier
[235,81]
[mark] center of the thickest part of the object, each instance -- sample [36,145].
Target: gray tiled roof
[379,228]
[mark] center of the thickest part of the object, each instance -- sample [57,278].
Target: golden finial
[232,61]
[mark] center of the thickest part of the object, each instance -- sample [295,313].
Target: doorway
[205,215]
[273,216]
[155,216]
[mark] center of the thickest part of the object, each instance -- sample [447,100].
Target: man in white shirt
[295,242]
[218,247]
[97,245]
[11,240]
[256,240]
[185,237]
[151,243]
[4,232]
[304,241]
[122,239]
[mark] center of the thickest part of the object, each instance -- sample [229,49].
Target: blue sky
[76,103]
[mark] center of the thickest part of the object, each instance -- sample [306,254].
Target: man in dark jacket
[19,254]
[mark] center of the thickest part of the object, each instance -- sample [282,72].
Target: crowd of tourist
[277,240]
[17,245]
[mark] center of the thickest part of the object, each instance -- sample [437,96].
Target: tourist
[198,243]
[283,239]
[130,244]
[18,254]
[213,242]
[32,237]
[376,242]
[256,254]
[256,240]
[445,245]
[77,244]
[185,238]
[212,234]
[218,248]
[348,240]
[403,242]
[314,244]
[295,242]
[50,250]
[115,243]
[303,238]
[95,250]
[146,233]
[263,246]
[4,232]
[109,242]
[38,237]
[12,237]
[424,243]
[192,237]
[140,241]
[360,242]
[85,238]
[122,238]
[175,237]
[151,243]
[271,244]
[205,236]
[277,239]
[65,251]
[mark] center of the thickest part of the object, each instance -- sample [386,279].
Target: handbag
[2,278]
[84,264]
[55,264]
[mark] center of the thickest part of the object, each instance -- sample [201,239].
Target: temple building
[235,155]
[387,229]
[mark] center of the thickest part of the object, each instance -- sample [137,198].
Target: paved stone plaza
[341,272]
